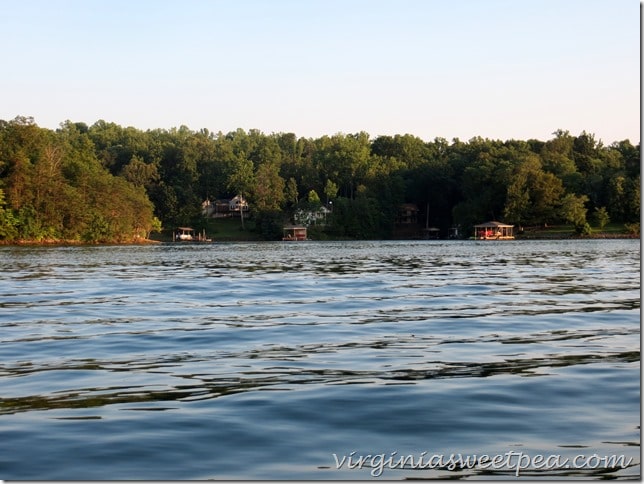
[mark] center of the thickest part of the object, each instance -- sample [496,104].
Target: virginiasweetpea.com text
[511,461]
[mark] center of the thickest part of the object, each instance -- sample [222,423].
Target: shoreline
[72,243]
[77,243]
[600,236]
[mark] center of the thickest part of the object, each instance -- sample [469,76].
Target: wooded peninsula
[106,183]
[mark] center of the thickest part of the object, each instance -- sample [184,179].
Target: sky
[498,69]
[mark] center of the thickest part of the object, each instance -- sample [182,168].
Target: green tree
[270,224]
[140,173]
[269,188]
[155,226]
[8,222]
[291,194]
[573,210]
[314,198]
[330,190]
[411,151]
[533,196]
[557,156]
[488,168]
[633,200]
[618,197]
[344,158]
[242,180]
[517,205]
[601,217]
[630,156]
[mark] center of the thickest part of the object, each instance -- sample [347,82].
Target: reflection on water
[256,361]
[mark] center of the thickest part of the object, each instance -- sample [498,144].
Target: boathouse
[294,233]
[184,233]
[188,234]
[494,231]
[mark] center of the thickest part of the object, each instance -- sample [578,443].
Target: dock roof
[492,224]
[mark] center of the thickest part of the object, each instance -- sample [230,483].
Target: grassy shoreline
[230,231]
[610,231]
[74,243]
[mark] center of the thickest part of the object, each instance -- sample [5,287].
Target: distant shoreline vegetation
[77,243]
[108,184]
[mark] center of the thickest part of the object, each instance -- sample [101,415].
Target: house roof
[409,206]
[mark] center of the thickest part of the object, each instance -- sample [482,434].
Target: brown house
[407,214]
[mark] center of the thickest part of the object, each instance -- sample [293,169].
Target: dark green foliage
[8,223]
[269,224]
[107,183]
[357,219]
[601,217]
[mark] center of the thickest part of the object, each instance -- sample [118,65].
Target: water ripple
[287,353]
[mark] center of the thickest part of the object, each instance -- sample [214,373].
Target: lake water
[297,360]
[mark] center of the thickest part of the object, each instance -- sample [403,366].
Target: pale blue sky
[498,69]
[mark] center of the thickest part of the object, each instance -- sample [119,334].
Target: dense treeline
[106,182]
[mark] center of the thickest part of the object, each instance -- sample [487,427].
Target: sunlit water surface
[263,360]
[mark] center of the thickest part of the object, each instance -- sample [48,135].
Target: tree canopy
[107,183]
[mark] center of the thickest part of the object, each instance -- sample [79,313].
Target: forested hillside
[108,183]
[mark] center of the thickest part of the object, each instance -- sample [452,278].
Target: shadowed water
[262,360]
